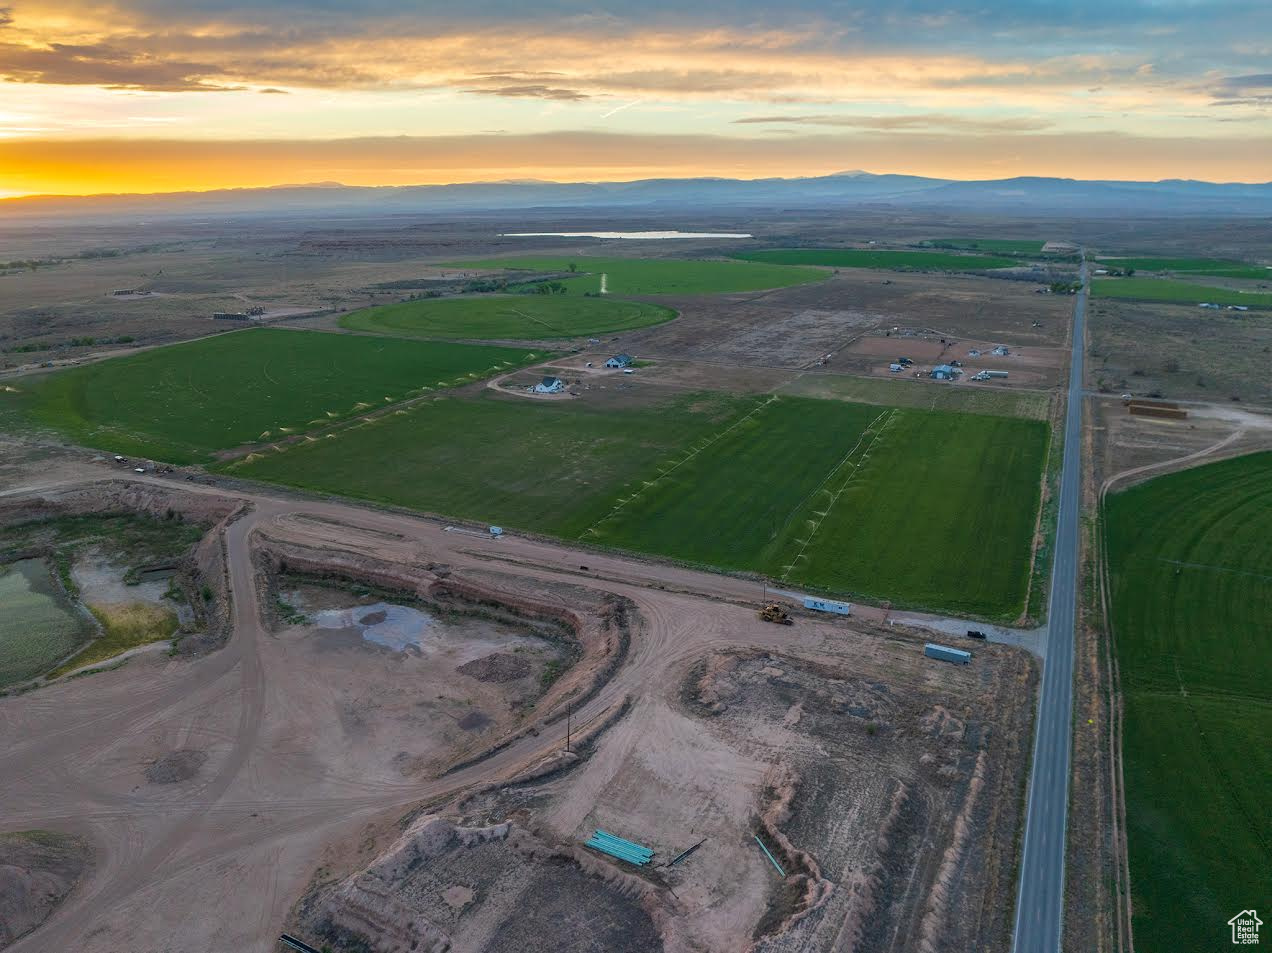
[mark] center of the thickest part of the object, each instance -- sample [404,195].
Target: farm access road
[220,860]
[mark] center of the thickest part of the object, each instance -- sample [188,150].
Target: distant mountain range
[1022,195]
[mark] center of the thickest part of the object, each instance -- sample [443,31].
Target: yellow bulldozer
[772,612]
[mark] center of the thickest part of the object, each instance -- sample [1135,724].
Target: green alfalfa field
[1190,567]
[504,317]
[184,402]
[1178,292]
[1211,267]
[925,509]
[878,258]
[997,246]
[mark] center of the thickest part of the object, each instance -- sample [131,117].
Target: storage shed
[944,372]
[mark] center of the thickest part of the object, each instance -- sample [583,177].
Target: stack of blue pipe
[617,847]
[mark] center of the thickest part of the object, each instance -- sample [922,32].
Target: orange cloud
[572,62]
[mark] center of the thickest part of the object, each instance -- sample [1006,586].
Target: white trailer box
[947,654]
[828,605]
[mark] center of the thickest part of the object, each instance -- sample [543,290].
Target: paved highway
[1040,902]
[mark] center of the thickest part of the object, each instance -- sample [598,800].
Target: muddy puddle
[103,582]
[414,631]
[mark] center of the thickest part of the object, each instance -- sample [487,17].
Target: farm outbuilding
[549,385]
[944,372]
[620,360]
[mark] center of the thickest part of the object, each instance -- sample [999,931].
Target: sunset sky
[153,96]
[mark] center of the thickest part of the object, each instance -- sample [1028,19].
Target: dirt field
[795,327]
[292,267]
[1180,351]
[228,782]
[872,354]
[1132,447]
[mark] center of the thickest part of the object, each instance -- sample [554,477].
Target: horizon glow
[197,95]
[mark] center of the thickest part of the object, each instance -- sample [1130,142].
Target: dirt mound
[500,667]
[176,766]
[374,618]
[37,871]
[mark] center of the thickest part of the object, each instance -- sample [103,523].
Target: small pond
[37,624]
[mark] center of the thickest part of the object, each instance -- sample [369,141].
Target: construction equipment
[772,612]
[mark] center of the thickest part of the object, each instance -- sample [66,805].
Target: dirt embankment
[120,496]
[37,870]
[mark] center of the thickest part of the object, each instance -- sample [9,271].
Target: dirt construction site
[397,734]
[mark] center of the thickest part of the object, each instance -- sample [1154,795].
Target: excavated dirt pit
[888,791]
[405,682]
[499,887]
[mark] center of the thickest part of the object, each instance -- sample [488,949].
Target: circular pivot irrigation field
[494,317]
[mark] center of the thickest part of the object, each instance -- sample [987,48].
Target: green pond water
[37,626]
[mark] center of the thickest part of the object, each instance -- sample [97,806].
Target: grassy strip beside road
[1190,568]
[869,258]
[184,402]
[658,276]
[1179,292]
[934,510]
[506,316]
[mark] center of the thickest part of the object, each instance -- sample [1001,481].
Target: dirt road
[218,861]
